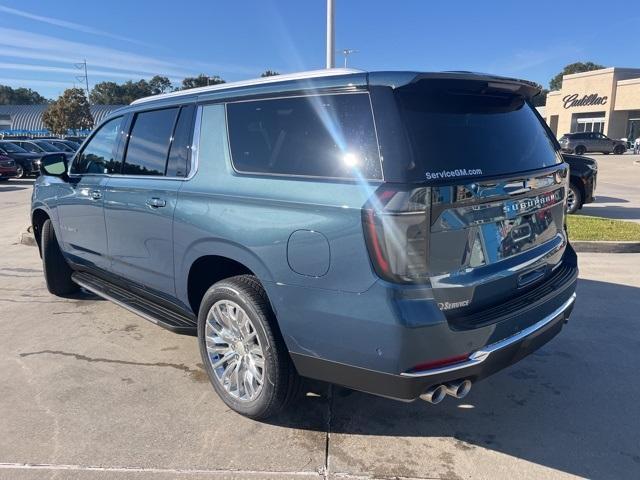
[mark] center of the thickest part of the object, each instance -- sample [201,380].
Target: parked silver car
[583,142]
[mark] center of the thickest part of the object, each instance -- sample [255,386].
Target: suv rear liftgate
[480,223]
[499,248]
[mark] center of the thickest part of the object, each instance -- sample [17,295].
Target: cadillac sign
[585,101]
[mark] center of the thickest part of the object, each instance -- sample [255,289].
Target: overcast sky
[121,40]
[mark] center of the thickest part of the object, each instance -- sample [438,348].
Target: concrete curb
[26,237]
[606,247]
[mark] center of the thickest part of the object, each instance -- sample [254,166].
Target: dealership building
[606,101]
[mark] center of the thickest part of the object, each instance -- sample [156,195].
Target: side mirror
[54,164]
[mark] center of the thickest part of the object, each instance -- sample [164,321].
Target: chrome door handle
[156,202]
[95,195]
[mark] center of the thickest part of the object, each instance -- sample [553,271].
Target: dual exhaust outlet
[457,389]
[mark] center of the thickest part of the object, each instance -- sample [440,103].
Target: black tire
[580,150]
[281,381]
[577,196]
[619,150]
[57,272]
[19,171]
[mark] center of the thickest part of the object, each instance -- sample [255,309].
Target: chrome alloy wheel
[571,200]
[234,350]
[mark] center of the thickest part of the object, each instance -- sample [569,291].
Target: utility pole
[83,66]
[346,52]
[331,56]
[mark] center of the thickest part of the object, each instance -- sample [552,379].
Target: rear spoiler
[516,86]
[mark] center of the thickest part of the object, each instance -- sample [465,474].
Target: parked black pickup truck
[583,172]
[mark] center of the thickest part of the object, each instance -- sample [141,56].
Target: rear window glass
[321,136]
[465,133]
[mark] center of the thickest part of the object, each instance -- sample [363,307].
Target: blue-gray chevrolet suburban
[398,233]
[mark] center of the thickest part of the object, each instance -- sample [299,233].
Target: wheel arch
[580,186]
[211,260]
[38,217]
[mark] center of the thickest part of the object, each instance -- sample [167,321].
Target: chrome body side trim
[481,355]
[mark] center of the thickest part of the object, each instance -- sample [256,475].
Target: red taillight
[396,228]
[442,362]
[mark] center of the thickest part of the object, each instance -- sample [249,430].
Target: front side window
[149,142]
[331,136]
[98,156]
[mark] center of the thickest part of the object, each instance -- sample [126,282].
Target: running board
[174,321]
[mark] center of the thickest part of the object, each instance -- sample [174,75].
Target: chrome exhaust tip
[434,395]
[459,389]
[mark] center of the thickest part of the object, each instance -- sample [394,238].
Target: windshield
[47,147]
[471,132]
[12,148]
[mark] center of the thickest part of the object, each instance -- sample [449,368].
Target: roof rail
[256,81]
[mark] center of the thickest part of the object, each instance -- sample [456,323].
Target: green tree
[20,96]
[269,73]
[578,67]
[105,93]
[201,80]
[70,112]
[111,93]
[131,91]
[160,84]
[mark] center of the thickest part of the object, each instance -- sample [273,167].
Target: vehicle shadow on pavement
[603,199]
[10,188]
[571,406]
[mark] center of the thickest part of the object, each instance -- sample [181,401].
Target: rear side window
[178,163]
[329,136]
[149,142]
[465,131]
[98,155]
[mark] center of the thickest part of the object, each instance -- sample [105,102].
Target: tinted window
[178,163]
[47,147]
[62,146]
[149,142]
[321,136]
[12,148]
[98,156]
[30,147]
[462,131]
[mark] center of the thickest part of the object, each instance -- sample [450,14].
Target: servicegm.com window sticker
[458,172]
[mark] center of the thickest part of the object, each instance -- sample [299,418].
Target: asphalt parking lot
[618,188]
[91,391]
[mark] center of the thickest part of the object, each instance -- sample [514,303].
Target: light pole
[331,56]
